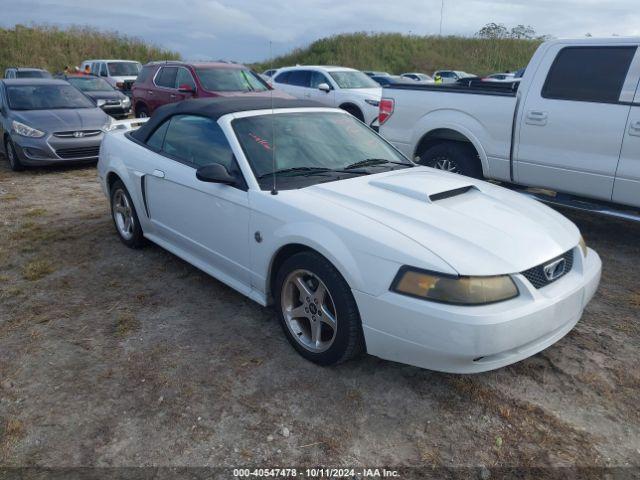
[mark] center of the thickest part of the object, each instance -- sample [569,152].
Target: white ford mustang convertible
[358,249]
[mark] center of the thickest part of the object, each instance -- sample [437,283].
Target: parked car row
[295,203]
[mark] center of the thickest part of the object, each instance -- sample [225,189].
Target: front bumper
[51,150]
[476,339]
[119,112]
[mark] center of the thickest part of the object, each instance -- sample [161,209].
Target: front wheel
[142,112]
[454,157]
[317,311]
[12,155]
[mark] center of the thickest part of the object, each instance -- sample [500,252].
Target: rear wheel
[317,311]
[125,217]
[12,155]
[454,157]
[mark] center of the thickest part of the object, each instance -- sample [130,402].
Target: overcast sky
[241,29]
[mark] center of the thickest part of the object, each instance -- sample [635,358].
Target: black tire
[142,111]
[136,239]
[353,110]
[12,156]
[460,156]
[348,341]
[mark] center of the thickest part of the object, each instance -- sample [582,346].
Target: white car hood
[475,227]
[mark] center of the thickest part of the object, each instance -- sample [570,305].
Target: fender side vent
[450,193]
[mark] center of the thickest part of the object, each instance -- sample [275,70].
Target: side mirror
[215,173]
[101,103]
[186,89]
[324,87]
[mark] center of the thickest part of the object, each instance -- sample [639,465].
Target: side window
[103,70]
[198,141]
[300,78]
[144,74]
[317,78]
[156,139]
[282,77]
[184,78]
[167,77]
[588,74]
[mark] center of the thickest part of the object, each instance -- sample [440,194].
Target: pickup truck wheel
[455,157]
[317,311]
[125,217]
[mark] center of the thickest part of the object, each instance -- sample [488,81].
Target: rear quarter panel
[485,120]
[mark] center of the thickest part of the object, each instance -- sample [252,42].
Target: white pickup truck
[572,125]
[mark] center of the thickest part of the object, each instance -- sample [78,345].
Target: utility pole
[441,15]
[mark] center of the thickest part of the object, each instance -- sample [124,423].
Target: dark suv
[160,83]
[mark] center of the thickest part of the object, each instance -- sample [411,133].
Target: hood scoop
[425,188]
[451,193]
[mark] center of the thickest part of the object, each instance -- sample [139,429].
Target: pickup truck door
[626,189]
[572,120]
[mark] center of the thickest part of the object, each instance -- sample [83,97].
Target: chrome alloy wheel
[446,164]
[309,311]
[123,214]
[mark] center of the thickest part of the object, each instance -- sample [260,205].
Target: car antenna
[274,190]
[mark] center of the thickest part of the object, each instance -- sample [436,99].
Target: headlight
[109,126]
[126,101]
[26,130]
[583,246]
[373,103]
[453,289]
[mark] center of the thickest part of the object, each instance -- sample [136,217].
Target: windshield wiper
[370,162]
[300,170]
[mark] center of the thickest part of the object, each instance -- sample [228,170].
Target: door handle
[158,173]
[173,95]
[535,117]
[150,92]
[634,128]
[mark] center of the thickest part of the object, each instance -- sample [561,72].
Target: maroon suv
[160,83]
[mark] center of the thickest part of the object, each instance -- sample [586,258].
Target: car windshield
[124,69]
[230,80]
[32,74]
[347,79]
[90,84]
[312,141]
[46,97]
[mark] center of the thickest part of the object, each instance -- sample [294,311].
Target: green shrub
[397,53]
[52,48]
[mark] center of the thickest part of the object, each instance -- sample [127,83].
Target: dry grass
[37,269]
[35,212]
[126,323]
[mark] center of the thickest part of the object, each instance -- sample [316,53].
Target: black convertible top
[215,108]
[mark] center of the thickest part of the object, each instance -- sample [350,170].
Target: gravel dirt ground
[115,357]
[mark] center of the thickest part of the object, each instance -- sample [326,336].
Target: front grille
[80,152]
[112,102]
[72,133]
[536,274]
